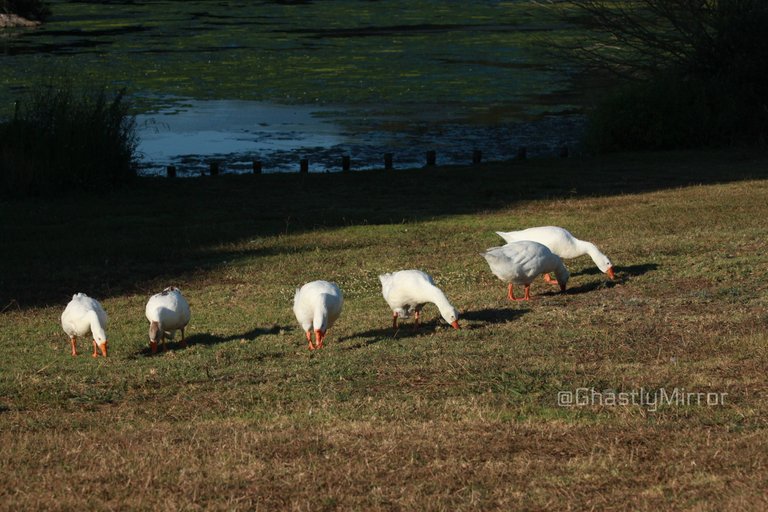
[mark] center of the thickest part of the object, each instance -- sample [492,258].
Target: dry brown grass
[445,464]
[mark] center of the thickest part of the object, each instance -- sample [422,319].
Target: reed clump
[62,139]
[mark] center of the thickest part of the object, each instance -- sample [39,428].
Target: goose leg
[549,280]
[394,320]
[183,342]
[416,314]
[319,339]
[309,340]
[154,330]
[511,293]
[73,342]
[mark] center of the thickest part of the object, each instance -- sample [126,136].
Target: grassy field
[246,418]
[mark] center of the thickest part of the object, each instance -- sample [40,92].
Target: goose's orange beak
[153,346]
[455,324]
[103,348]
[610,273]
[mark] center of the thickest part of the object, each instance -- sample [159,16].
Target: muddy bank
[14,21]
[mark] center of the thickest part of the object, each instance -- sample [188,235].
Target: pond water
[277,81]
[235,133]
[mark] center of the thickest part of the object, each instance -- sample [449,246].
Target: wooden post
[522,153]
[388,161]
[171,171]
[477,156]
[564,152]
[304,166]
[214,168]
[345,163]
[431,158]
[256,167]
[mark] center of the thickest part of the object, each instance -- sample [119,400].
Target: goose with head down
[407,291]
[167,312]
[521,262]
[317,305]
[81,316]
[562,243]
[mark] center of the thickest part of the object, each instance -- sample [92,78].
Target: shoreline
[16,21]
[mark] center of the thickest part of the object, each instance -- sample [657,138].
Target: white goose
[408,291]
[521,262]
[81,316]
[317,305]
[561,242]
[167,312]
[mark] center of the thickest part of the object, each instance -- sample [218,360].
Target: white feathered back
[317,305]
[84,314]
[169,309]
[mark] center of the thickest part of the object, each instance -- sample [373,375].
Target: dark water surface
[280,81]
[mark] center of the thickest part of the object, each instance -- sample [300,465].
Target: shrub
[694,71]
[58,139]
[672,112]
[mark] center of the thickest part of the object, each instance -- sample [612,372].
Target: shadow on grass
[583,288]
[204,339]
[405,330]
[636,270]
[116,240]
[621,271]
[623,275]
[492,316]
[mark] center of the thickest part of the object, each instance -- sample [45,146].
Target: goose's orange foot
[527,292]
[309,340]
[511,293]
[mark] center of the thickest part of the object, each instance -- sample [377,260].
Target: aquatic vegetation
[411,56]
